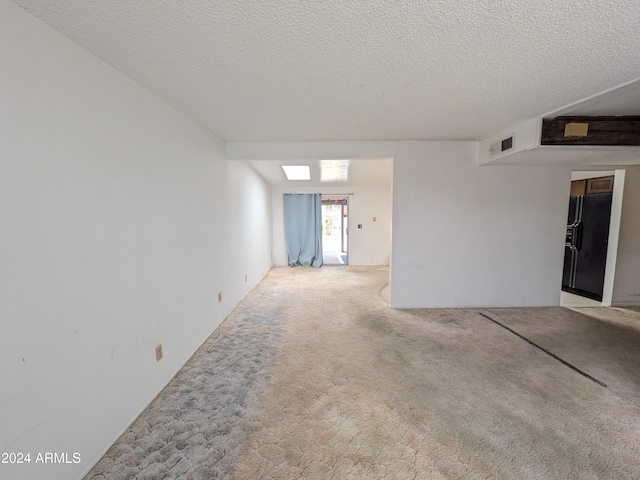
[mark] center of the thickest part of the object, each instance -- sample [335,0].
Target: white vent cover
[502,146]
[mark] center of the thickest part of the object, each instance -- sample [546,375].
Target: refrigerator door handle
[577,236]
[574,235]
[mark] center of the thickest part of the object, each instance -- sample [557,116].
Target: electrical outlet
[159,353]
[219,297]
[245,278]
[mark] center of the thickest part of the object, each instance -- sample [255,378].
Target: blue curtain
[303,229]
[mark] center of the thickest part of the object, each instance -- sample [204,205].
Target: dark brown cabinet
[599,185]
[592,186]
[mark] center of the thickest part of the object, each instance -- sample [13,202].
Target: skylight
[334,170]
[297,172]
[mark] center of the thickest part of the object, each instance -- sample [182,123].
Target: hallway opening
[591,241]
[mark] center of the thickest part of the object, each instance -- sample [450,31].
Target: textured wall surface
[475,236]
[626,288]
[116,231]
[382,69]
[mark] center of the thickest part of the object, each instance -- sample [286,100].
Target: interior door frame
[614,228]
[343,201]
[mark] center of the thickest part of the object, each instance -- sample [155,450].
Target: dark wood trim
[602,130]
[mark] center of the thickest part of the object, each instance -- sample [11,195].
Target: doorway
[586,244]
[335,230]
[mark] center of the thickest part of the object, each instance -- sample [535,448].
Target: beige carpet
[633,309]
[313,376]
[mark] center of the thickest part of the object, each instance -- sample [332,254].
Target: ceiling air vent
[501,146]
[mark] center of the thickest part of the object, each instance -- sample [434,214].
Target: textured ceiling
[359,70]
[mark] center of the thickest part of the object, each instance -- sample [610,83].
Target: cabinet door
[599,185]
[578,187]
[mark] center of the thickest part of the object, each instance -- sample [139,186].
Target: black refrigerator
[585,251]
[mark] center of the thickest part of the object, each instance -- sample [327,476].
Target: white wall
[250,229]
[626,285]
[468,235]
[115,229]
[370,245]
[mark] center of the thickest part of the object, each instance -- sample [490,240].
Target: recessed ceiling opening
[334,170]
[297,172]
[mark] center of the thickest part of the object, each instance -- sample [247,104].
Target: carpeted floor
[313,376]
